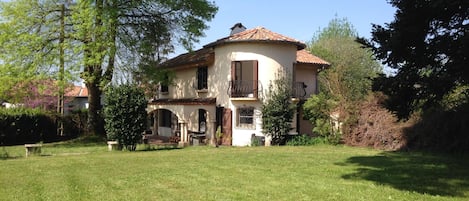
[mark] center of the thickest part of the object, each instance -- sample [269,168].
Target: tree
[33,46]
[428,45]
[116,28]
[278,110]
[349,78]
[319,109]
[125,115]
[103,35]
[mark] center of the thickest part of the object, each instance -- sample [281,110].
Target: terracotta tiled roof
[258,34]
[303,56]
[77,91]
[206,55]
[201,57]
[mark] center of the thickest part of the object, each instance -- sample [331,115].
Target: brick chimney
[238,27]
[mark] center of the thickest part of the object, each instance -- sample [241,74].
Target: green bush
[318,110]
[305,140]
[24,125]
[75,122]
[278,110]
[125,115]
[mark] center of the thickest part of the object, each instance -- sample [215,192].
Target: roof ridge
[259,34]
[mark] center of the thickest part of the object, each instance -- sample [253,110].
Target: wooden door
[227,127]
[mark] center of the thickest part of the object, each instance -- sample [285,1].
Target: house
[224,85]
[77,99]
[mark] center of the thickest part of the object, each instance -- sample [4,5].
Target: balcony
[244,89]
[251,88]
[299,90]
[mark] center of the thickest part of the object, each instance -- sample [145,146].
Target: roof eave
[298,45]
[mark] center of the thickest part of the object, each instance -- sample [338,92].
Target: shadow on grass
[422,173]
[86,141]
[158,148]
[6,156]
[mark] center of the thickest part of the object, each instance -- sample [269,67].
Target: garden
[83,169]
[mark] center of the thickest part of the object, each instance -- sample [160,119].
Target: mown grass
[79,172]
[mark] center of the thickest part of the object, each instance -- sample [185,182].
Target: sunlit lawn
[78,172]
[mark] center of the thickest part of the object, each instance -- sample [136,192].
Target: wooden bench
[33,149]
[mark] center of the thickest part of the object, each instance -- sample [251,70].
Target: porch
[185,122]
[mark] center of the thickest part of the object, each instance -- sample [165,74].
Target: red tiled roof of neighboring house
[303,56]
[258,34]
[201,57]
[77,91]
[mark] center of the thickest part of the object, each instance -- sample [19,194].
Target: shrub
[319,109]
[278,111]
[75,122]
[305,140]
[377,127]
[125,115]
[24,125]
[257,140]
[441,130]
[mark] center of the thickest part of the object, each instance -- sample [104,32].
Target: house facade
[224,84]
[77,99]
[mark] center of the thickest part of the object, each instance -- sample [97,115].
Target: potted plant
[218,136]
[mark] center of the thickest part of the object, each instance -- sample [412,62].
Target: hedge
[23,126]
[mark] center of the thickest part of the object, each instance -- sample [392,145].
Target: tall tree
[105,34]
[348,79]
[32,46]
[428,45]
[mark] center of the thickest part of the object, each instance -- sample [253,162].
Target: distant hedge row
[22,126]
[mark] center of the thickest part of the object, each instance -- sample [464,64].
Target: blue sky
[299,19]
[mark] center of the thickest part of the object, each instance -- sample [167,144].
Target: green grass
[83,171]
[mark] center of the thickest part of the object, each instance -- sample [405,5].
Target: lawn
[83,171]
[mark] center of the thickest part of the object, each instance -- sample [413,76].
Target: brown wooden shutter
[233,75]
[255,78]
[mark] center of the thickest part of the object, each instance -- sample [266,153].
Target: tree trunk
[95,124]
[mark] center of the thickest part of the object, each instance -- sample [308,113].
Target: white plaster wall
[271,58]
[307,73]
[184,81]
[77,102]
[242,136]
[183,84]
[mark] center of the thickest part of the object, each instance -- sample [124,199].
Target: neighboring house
[77,99]
[225,83]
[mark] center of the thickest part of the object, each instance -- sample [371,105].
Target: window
[202,120]
[244,75]
[164,84]
[246,117]
[202,77]
[164,88]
